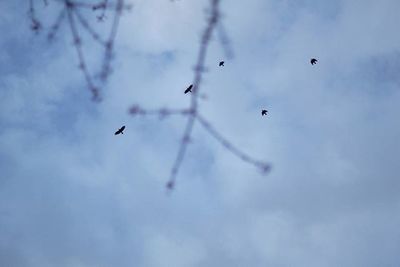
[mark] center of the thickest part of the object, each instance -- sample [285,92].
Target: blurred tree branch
[71,12]
[192,113]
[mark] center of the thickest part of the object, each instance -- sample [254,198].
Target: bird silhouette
[189,89]
[221,63]
[264,112]
[313,61]
[120,130]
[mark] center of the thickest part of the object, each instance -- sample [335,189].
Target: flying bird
[189,89]
[313,61]
[120,130]
[264,112]
[221,63]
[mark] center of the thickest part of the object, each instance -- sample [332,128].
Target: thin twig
[78,46]
[192,112]
[77,21]
[198,72]
[96,37]
[108,54]
[36,26]
[162,112]
[263,166]
[224,41]
[54,29]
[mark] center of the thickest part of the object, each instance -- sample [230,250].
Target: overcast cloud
[73,194]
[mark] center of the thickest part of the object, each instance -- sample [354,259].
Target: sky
[73,194]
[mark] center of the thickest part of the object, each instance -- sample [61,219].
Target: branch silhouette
[192,113]
[36,26]
[71,11]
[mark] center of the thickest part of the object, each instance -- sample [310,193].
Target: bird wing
[189,89]
[122,128]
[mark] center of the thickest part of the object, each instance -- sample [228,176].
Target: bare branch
[96,37]
[161,113]
[263,166]
[108,54]
[78,47]
[75,21]
[99,6]
[198,72]
[192,112]
[36,26]
[56,25]
[224,41]
[78,23]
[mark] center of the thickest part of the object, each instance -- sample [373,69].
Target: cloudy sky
[73,194]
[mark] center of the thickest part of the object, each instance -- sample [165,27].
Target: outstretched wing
[189,89]
[120,130]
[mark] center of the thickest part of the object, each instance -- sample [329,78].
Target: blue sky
[73,194]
